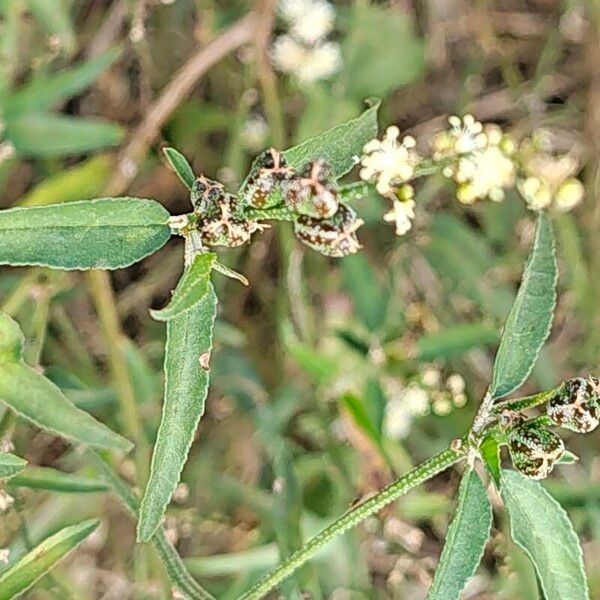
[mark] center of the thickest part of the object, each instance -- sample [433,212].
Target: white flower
[456,384]
[6,501]
[402,215]
[569,195]
[4,555]
[464,136]
[412,402]
[310,20]
[307,64]
[254,132]
[388,162]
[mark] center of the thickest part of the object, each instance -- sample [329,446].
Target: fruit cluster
[534,449]
[321,221]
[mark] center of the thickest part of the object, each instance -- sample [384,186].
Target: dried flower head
[313,193]
[389,163]
[576,405]
[335,236]
[534,450]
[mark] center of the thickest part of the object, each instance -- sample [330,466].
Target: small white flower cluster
[482,161]
[304,52]
[427,393]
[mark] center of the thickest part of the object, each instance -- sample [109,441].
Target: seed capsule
[335,236]
[534,450]
[268,171]
[205,196]
[576,405]
[313,193]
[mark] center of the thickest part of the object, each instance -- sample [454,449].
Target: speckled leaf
[528,323]
[189,343]
[339,145]
[10,465]
[107,233]
[23,574]
[465,540]
[540,526]
[191,289]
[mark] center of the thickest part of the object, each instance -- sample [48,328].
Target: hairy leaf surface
[181,166]
[10,465]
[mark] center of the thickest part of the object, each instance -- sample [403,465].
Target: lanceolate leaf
[10,465]
[180,165]
[191,289]
[189,343]
[107,233]
[542,528]
[465,540]
[23,574]
[43,478]
[530,318]
[337,146]
[38,400]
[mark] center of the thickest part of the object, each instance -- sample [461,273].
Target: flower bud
[534,450]
[313,193]
[576,405]
[268,170]
[335,236]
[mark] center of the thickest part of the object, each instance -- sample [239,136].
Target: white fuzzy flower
[309,20]
[463,137]
[254,132]
[402,215]
[307,64]
[389,163]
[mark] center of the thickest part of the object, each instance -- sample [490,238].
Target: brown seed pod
[268,171]
[335,236]
[576,405]
[534,450]
[312,193]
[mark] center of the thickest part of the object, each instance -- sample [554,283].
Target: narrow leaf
[465,540]
[44,478]
[337,146]
[10,465]
[107,233]
[530,318]
[540,526]
[23,574]
[187,356]
[490,453]
[49,135]
[40,401]
[181,166]
[455,340]
[191,289]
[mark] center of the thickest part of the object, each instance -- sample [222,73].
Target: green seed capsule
[268,171]
[206,195]
[576,405]
[335,236]
[312,193]
[534,450]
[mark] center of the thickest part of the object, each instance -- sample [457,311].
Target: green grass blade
[10,465]
[189,342]
[181,166]
[23,574]
[465,540]
[540,526]
[106,233]
[191,289]
[45,478]
[530,318]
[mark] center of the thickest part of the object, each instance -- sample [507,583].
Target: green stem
[519,404]
[172,562]
[422,473]
[279,213]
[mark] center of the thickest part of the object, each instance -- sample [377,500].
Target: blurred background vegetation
[329,376]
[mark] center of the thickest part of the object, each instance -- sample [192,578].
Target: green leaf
[38,400]
[55,18]
[360,416]
[181,166]
[455,339]
[530,318]
[490,453]
[337,146]
[23,574]
[465,540]
[44,478]
[189,343]
[107,233]
[48,135]
[10,465]
[45,92]
[381,52]
[540,526]
[191,289]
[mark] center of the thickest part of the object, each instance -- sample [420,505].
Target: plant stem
[422,473]
[172,562]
